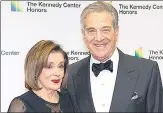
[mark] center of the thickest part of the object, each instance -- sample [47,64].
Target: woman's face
[53,72]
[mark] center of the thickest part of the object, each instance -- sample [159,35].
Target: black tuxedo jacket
[138,86]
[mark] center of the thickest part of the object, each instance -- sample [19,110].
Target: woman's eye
[61,66]
[48,66]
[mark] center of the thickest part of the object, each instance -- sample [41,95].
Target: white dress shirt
[102,86]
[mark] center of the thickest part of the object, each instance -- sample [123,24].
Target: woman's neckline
[54,103]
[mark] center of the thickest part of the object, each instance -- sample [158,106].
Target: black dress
[30,102]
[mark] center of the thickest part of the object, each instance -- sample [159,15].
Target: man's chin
[99,57]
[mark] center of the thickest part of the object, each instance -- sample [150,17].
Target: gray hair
[99,7]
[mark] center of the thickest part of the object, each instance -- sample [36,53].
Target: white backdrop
[141,28]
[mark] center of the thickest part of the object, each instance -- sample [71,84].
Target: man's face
[99,35]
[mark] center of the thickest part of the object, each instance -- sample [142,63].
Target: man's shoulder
[132,60]
[74,67]
[139,61]
[78,64]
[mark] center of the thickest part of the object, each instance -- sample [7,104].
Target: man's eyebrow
[106,27]
[90,28]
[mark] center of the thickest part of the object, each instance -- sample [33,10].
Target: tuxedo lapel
[125,83]
[83,88]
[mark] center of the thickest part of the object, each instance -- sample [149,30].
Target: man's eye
[105,30]
[92,31]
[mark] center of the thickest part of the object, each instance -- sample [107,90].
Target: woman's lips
[55,81]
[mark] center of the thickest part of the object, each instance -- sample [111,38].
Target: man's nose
[98,36]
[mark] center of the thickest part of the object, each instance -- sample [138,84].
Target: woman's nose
[56,73]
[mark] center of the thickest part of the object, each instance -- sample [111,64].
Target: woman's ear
[59,90]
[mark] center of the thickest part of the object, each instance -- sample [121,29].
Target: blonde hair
[37,58]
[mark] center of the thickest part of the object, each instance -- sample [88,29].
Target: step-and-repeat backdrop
[24,23]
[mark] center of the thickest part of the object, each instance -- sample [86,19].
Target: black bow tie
[97,68]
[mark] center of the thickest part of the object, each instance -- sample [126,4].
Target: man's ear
[82,31]
[116,33]
[83,34]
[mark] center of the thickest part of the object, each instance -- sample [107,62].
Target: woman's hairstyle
[37,58]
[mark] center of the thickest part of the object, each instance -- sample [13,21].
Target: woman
[45,78]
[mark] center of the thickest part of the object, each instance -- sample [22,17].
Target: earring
[35,78]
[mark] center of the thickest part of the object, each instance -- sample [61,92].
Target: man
[109,80]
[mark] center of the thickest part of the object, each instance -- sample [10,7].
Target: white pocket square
[135,96]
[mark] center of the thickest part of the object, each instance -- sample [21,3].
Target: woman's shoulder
[22,96]
[17,104]
[25,95]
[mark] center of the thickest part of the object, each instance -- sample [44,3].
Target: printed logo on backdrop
[155,55]
[139,53]
[15,6]
[41,6]
[134,9]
